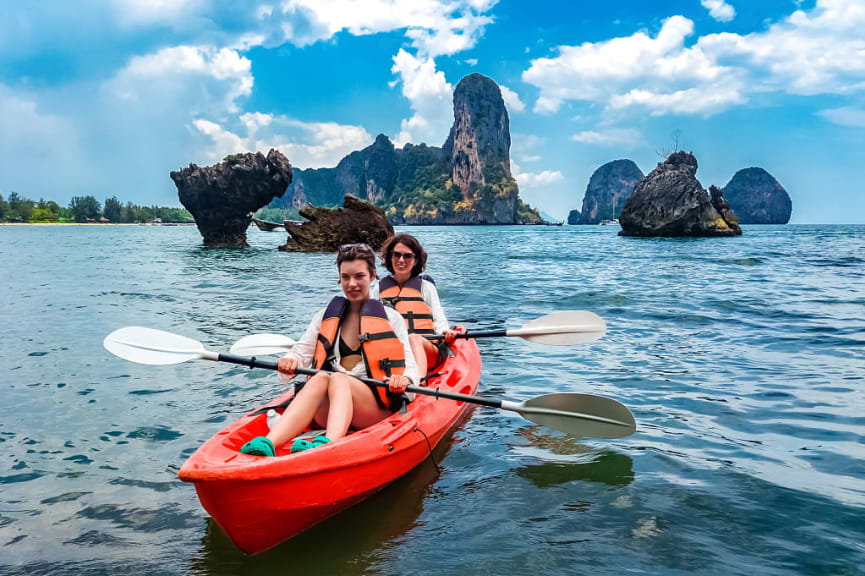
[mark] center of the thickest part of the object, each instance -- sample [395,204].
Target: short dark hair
[352,252]
[413,245]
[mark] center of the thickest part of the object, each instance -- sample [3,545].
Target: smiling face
[402,261]
[355,278]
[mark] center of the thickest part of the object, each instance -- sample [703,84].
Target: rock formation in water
[467,181]
[758,198]
[670,201]
[328,229]
[223,197]
[574,217]
[609,187]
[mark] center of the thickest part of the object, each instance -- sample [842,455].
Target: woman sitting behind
[333,341]
[415,297]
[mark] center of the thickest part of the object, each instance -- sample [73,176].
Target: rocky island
[466,181]
[609,187]
[670,201]
[326,230]
[757,198]
[223,197]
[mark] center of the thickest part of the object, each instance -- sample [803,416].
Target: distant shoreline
[95,224]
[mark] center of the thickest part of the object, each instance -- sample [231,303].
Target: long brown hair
[413,245]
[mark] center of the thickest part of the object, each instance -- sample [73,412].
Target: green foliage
[278,214]
[20,209]
[113,210]
[84,207]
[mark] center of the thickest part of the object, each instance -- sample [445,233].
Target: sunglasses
[356,247]
[403,256]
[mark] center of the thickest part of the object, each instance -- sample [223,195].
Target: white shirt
[431,296]
[304,350]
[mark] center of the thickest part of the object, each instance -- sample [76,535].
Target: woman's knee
[320,380]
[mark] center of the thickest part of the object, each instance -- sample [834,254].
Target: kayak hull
[259,502]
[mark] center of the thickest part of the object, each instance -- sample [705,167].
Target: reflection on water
[610,468]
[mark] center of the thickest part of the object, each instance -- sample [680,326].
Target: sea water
[742,360]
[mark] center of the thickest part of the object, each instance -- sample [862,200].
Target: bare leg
[417,342]
[300,412]
[362,409]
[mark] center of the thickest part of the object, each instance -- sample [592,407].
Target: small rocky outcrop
[758,198]
[223,197]
[609,187]
[670,201]
[574,217]
[327,229]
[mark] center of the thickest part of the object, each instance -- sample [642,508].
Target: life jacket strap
[367,337]
[330,356]
[386,364]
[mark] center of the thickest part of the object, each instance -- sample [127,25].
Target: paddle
[262,344]
[578,414]
[563,328]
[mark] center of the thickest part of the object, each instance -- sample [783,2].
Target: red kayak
[259,502]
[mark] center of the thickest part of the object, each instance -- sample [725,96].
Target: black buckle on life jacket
[386,364]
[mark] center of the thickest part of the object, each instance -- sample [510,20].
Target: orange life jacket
[383,353]
[409,302]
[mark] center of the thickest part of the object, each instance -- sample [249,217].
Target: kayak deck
[260,502]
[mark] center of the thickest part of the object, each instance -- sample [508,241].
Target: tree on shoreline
[17,208]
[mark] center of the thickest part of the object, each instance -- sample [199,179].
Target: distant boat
[266,226]
[608,222]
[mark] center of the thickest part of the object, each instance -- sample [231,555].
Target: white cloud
[431,99]
[148,12]
[305,144]
[436,27]
[471,61]
[533,180]
[512,100]
[820,51]
[845,116]
[617,137]
[31,140]
[206,78]
[719,10]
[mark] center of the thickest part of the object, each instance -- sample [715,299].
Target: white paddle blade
[262,344]
[154,347]
[564,328]
[584,415]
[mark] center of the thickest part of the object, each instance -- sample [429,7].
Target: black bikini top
[344,349]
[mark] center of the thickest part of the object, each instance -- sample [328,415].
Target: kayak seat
[302,444]
[259,446]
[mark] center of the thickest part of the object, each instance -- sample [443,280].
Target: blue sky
[106,97]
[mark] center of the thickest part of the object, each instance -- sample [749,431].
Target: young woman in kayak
[354,336]
[415,297]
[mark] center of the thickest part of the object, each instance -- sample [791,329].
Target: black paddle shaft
[254,362]
[472,334]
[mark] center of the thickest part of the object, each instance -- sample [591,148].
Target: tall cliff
[609,187]
[757,198]
[467,181]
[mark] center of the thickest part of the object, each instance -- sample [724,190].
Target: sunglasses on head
[356,247]
[403,256]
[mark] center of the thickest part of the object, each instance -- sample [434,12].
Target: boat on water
[609,222]
[260,502]
[266,226]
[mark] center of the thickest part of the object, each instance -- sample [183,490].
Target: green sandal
[259,446]
[302,444]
